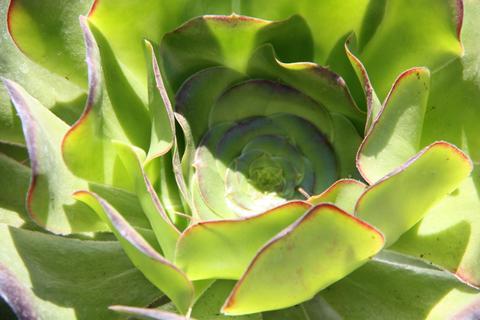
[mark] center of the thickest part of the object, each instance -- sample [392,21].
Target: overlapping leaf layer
[225,165]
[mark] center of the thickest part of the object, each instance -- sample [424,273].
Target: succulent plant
[293,160]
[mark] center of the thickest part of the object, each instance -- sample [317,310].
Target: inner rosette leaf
[259,142]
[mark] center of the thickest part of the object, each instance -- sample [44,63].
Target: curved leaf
[229,41]
[66,278]
[87,148]
[156,268]
[395,134]
[48,33]
[343,193]
[323,85]
[390,285]
[402,198]
[166,233]
[322,247]
[224,248]
[49,202]
[431,27]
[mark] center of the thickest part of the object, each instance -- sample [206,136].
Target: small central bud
[266,175]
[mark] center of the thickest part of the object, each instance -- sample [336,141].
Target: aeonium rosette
[241,162]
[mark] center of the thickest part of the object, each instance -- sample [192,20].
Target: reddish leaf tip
[93,8]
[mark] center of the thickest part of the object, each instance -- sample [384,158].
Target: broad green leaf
[323,85]
[49,202]
[14,185]
[322,247]
[402,198]
[87,147]
[126,38]
[162,273]
[48,33]
[229,41]
[451,115]
[395,134]
[224,248]
[344,193]
[166,233]
[60,95]
[448,235]
[430,27]
[390,285]
[339,18]
[62,278]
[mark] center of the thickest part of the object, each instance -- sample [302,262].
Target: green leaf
[53,91]
[391,285]
[339,18]
[431,27]
[126,38]
[156,268]
[323,85]
[39,29]
[49,202]
[371,100]
[14,186]
[448,235]
[63,278]
[402,198]
[343,193]
[395,134]
[161,111]
[198,94]
[322,247]
[229,41]
[87,147]
[166,233]
[224,248]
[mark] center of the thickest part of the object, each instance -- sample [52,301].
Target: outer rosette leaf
[320,248]
[449,115]
[55,92]
[386,287]
[113,111]
[51,277]
[155,267]
[402,198]
[49,201]
[224,248]
[39,29]
[229,41]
